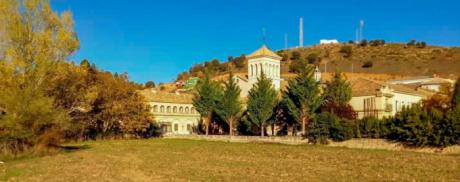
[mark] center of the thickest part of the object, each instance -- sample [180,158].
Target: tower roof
[264,51]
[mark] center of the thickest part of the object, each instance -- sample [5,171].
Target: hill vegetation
[409,59]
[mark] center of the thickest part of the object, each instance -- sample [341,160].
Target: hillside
[393,59]
[398,59]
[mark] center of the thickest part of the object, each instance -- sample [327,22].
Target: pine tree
[230,106]
[207,96]
[262,100]
[303,97]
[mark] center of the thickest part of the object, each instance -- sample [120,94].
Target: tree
[150,84]
[230,106]
[303,96]
[337,96]
[240,61]
[262,100]
[456,95]
[34,40]
[207,96]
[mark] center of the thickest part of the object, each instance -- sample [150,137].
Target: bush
[313,58]
[346,50]
[367,64]
[420,127]
[297,66]
[327,125]
[370,127]
[376,43]
[296,55]
[420,45]
[363,43]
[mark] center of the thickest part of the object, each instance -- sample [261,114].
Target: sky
[155,40]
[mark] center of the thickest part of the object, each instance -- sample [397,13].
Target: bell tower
[266,61]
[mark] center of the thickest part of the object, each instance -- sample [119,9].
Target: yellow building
[380,99]
[174,112]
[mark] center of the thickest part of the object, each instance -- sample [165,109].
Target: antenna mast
[301,32]
[286,41]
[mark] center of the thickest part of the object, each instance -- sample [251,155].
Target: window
[155,108]
[186,110]
[370,107]
[181,109]
[162,109]
[174,109]
[176,127]
[192,110]
[168,109]
[189,127]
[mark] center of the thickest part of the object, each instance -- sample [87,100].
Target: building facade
[174,112]
[371,98]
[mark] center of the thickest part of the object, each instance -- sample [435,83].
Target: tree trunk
[294,130]
[206,125]
[262,131]
[273,129]
[303,125]
[231,126]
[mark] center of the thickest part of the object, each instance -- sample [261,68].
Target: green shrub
[327,125]
[370,127]
[425,127]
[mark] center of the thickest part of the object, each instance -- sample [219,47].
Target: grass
[185,160]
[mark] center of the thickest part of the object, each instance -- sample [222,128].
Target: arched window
[162,109]
[168,109]
[181,109]
[174,109]
[186,110]
[155,108]
[176,127]
[192,110]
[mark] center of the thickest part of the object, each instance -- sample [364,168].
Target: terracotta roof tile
[166,97]
[264,51]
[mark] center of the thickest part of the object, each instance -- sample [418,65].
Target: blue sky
[156,40]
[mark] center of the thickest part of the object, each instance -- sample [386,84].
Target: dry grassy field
[185,160]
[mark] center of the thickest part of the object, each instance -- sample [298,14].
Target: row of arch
[174,109]
[271,70]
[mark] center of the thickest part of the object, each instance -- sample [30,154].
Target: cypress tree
[303,97]
[262,100]
[206,98]
[230,106]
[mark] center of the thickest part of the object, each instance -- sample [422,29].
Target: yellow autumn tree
[33,41]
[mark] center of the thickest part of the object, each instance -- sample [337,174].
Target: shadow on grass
[73,148]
